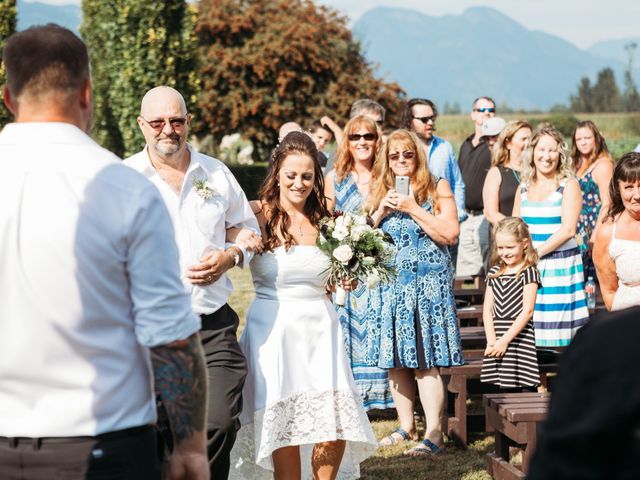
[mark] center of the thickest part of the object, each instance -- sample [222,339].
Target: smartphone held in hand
[402,184]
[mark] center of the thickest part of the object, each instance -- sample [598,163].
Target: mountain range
[456,58]
[451,58]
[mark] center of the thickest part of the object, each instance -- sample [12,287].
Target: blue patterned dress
[591,204]
[418,326]
[372,382]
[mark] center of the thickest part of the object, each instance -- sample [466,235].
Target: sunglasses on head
[176,122]
[426,119]
[407,155]
[369,137]
[485,110]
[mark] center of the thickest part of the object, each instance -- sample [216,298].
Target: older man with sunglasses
[204,201]
[475,161]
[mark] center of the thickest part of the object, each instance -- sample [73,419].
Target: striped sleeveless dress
[561,306]
[519,365]
[372,382]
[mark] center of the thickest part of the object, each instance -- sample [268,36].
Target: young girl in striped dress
[512,284]
[549,202]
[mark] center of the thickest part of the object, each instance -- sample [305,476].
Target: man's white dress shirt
[200,224]
[89,280]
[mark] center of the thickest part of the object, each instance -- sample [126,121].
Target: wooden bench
[514,417]
[470,316]
[472,337]
[457,381]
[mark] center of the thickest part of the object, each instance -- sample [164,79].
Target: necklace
[300,232]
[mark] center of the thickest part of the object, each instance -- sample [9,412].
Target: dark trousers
[124,455]
[226,371]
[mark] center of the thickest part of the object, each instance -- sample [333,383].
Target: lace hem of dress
[304,419]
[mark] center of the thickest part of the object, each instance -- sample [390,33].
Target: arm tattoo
[181,381]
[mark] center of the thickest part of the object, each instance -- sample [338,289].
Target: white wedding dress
[299,388]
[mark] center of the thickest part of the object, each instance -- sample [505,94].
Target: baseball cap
[493,126]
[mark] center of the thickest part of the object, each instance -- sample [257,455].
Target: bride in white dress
[302,416]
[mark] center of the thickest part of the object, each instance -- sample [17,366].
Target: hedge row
[250,177]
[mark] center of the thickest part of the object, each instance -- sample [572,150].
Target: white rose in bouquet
[358,230]
[373,279]
[360,220]
[343,253]
[340,232]
[368,261]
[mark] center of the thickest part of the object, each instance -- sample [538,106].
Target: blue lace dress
[372,382]
[418,325]
[591,204]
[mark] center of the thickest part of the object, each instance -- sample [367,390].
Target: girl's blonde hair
[513,226]
[423,183]
[564,170]
[344,160]
[500,152]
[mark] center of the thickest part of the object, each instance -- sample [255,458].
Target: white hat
[493,126]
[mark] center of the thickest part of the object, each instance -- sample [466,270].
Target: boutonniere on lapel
[204,189]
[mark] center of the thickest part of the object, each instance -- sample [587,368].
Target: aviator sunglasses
[407,155]
[175,122]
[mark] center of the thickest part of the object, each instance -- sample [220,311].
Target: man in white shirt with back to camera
[204,202]
[91,302]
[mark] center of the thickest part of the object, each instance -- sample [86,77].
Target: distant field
[621,130]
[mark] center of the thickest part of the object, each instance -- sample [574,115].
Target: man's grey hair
[364,105]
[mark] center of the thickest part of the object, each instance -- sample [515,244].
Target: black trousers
[226,371]
[124,455]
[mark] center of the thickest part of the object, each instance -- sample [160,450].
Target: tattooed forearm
[181,381]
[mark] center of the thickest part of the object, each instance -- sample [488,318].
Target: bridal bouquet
[356,250]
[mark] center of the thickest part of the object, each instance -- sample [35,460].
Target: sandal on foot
[425,447]
[390,439]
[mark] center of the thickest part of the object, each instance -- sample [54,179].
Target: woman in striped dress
[346,189]
[549,202]
[509,301]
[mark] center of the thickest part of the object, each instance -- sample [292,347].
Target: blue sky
[582,22]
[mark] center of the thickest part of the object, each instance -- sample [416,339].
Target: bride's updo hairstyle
[315,208]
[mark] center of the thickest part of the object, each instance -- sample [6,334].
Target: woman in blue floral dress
[417,330]
[594,167]
[346,188]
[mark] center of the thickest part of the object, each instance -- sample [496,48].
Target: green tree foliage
[603,96]
[605,93]
[7,27]
[135,45]
[582,101]
[265,63]
[630,97]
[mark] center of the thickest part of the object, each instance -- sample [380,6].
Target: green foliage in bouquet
[356,250]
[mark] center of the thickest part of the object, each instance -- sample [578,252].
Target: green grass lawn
[389,463]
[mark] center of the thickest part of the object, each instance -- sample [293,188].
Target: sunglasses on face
[408,155]
[424,120]
[176,122]
[485,110]
[369,137]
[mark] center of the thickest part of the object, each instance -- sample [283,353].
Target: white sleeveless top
[626,257]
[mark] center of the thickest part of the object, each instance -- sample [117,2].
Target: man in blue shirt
[420,117]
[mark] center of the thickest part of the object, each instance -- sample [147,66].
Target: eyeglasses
[426,119]
[369,137]
[408,155]
[176,122]
[485,110]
